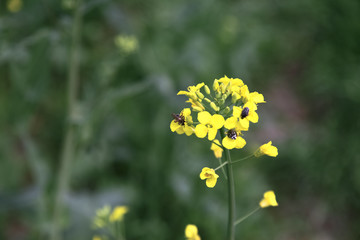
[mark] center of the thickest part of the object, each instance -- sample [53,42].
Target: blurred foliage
[303,56]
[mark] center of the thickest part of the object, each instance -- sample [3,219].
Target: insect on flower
[178,118]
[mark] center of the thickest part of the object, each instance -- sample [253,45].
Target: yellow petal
[237,111]
[212,133]
[228,143]
[253,117]
[188,130]
[201,131]
[211,182]
[174,126]
[217,121]
[240,142]
[186,112]
[180,130]
[183,93]
[203,174]
[204,117]
[217,149]
[244,123]
[257,97]
[230,123]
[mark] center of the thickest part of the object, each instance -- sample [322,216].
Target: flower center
[244,113]
[179,118]
[232,134]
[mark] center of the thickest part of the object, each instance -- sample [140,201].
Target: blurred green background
[304,56]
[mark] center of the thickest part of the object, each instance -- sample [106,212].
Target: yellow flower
[208,125]
[233,140]
[118,213]
[14,5]
[191,93]
[266,149]
[230,85]
[210,176]
[191,232]
[217,149]
[182,122]
[97,238]
[245,114]
[268,200]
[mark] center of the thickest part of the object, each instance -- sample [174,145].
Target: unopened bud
[197,109]
[215,86]
[221,101]
[213,106]
[207,100]
[218,94]
[235,97]
[226,110]
[207,89]
[200,95]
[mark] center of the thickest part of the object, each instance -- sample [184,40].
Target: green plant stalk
[69,140]
[231,193]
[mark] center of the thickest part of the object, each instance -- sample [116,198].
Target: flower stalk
[231,193]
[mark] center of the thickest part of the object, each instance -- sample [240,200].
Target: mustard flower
[97,238]
[233,140]
[182,122]
[118,213]
[268,200]
[266,149]
[210,176]
[209,125]
[244,115]
[216,149]
[191,232]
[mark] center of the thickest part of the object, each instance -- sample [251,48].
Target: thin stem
[246,216]
[242,159]
[231,193]
[222,169]
[69,140]
[221,165]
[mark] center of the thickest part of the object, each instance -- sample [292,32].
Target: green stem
[223,164]
[246,216]
[69,140]
[222,169]
[231,193]
[242,159]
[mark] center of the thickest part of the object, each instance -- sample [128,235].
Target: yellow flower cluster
[229,108]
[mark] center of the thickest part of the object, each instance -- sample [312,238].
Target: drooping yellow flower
[268,200]
[210,176]
[216,148]
[209,125]
[14,5]
[191,232]
[266,149]
[182,122]
[233,140]
[118,213]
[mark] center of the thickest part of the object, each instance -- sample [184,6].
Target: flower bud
[235,97]
[197,109]
[213,106]
[207,89]
[200,95]
[218,94]
[226,110]
[216,86]
[207,100]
